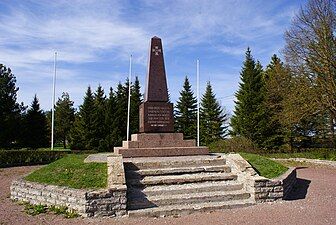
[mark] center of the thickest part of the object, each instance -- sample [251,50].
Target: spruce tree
[212,118]
[111,122]
[82,135]
[35,126]
[64,118]
[98,114]
[135,103]
[121,112]
[249,115]
[9,109]
[276,84]
[185,112]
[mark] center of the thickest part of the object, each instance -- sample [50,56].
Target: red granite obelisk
[156,137]
[156,113]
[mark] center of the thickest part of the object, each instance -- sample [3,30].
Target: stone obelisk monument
[156,113]
[156,137]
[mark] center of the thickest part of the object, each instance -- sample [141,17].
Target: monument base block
[156,117]
[159,144]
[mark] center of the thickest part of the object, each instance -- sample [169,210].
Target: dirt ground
[312,202]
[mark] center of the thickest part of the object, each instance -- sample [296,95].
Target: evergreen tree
[112,132]
[82,135]
[9,109]
[35,126]
[98,114]
[186,112]
[121,112]
[249,115]
[64,118]
[213,118]
[135,103]
[276,85]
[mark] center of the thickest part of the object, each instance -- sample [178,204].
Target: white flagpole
[129,97]
[53,104]
[198,104]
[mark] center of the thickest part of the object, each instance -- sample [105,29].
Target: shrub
[10,158]
[234,144]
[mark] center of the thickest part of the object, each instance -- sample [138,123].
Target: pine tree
[249,115]
[9,109]
[135,103]
[82,135]
[64,118]
[35,126]
[98,114]
[212,118]
[185,112]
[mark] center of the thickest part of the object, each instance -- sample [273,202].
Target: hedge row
[10,158]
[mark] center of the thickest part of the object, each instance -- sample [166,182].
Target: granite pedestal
[159,144]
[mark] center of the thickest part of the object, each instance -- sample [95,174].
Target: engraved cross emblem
[156,50]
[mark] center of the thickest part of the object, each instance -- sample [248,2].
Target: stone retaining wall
[269,190]
[87,203]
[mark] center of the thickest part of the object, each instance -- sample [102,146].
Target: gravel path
[314,203]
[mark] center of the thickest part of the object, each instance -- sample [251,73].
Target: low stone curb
[269,190]
[313,161]
[87,203]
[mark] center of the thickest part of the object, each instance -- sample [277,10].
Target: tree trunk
[64,142]
[332,129]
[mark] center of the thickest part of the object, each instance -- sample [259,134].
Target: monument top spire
[156,87]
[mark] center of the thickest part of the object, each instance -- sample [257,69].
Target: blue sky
[95,38]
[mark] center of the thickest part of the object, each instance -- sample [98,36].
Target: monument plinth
[156,121]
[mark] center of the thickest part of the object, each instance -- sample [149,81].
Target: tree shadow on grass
[299,190]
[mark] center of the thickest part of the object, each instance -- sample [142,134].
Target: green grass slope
[264,166]
[71,171]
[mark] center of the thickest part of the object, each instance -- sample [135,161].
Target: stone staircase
[164,186]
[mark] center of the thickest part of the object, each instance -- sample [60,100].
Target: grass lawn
[264,166]
[56,149]
[71,171]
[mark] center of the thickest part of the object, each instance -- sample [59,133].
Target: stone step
[161,151]
[180,179]
[178,170]
[185,188]
[176,210]
[172,162]
[159,142]
[188,198]
[163,137]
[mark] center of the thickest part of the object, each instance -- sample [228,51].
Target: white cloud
[88,32]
